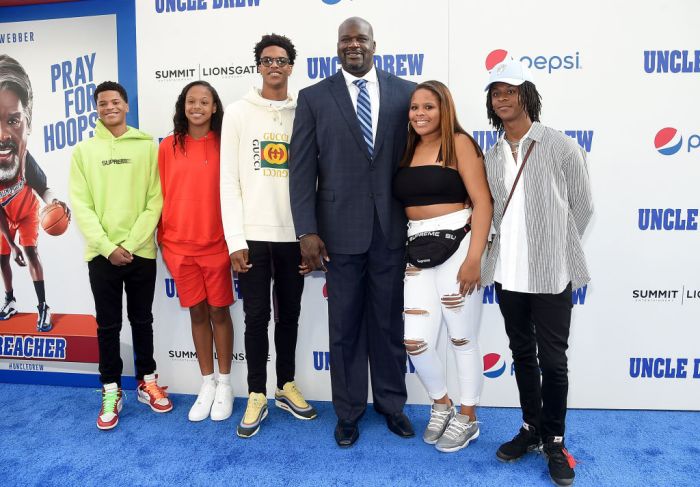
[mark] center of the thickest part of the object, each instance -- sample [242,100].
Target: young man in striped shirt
[542,205]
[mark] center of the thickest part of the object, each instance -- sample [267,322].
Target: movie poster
[48,72]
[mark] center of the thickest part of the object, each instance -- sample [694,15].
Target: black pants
[279,261]
[537,326]
[365,306]
[138,279]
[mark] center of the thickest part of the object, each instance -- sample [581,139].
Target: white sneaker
[223,402]
[201,407]
[9,309]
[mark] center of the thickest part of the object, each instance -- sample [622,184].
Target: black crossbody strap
[517,178]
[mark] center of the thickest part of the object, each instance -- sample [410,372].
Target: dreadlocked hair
[529,98]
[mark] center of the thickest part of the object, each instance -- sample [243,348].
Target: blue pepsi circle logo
[668,141]
[494,365]
[330,2]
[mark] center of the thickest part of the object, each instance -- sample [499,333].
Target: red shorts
[23,216]
[200,278]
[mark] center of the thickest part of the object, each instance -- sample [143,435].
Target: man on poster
[20,177]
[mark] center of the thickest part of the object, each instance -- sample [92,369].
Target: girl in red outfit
[192,242]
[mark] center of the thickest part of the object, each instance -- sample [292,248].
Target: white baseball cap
[510,71]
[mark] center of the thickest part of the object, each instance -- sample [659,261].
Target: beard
[356,65]
[9,170]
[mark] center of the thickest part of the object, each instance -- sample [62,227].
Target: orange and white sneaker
[149,392]
[111,406]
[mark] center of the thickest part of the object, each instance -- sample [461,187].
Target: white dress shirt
[373,90]
[512,264]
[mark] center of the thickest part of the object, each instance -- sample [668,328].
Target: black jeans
[278,261]
[537,326]
[138,279]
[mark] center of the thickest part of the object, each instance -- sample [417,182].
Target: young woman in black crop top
[441,170]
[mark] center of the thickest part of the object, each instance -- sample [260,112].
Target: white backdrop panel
[588,63]
[589,67]
[220,50]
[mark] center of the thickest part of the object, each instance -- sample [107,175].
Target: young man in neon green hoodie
[116,196]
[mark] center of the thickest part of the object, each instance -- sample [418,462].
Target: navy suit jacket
[335,186]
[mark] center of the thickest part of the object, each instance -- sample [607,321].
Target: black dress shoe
[346,433]
[399,424]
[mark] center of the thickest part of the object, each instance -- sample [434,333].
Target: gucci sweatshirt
[255,171]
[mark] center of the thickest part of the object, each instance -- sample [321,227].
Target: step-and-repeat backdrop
[621,83]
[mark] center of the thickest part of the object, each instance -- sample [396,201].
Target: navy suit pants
[365,306]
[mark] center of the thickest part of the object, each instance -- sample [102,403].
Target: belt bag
[430,249]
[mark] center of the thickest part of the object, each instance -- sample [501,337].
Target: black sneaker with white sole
[527,440]
[559,461]
[43,322]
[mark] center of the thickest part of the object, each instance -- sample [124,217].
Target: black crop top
[428,185]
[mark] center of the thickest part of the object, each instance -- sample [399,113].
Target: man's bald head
[356,21]
[356,46]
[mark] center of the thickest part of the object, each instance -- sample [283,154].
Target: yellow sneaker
[255,412]
[290,399]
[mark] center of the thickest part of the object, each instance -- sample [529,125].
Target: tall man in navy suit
[349,135]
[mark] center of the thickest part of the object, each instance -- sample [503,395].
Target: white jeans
[431,296]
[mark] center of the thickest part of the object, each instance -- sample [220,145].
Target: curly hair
[529,98]
[275,40]
[180,122]
[110,86]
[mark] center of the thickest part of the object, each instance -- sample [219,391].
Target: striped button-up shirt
[558,207]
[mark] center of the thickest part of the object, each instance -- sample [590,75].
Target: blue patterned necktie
[364,114]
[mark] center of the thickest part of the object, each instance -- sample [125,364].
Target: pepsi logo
[668,141]
[495,57]
[540,62]
[494,365]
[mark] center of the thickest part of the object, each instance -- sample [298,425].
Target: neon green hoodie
[115,192]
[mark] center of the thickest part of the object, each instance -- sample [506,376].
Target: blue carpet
[49,438]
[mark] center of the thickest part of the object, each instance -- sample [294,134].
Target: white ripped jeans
[431,296]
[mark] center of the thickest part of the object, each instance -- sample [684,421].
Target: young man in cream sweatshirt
[259,229]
